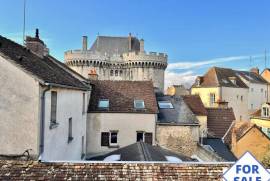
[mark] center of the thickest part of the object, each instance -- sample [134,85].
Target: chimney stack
[141,45]
[255,70]
[36,45]
[129,41]
[92,75]
[84,45]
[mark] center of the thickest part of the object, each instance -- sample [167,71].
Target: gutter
[42,121]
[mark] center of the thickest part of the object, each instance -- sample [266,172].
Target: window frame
[212,101]
[100,100]
[171,105]
[83,104]
[53,113]
[265,111]
[136,101]
[70,135]
[110,138]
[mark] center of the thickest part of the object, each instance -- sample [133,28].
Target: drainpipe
[42,121]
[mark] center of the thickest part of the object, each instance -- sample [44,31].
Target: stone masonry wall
[33,170]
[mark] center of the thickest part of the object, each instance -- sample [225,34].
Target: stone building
[118,58]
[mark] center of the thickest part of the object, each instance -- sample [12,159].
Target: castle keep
[118,58]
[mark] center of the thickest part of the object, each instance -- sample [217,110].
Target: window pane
[139,104]
[53,105]
[113,137]
[103,103]
[165,105]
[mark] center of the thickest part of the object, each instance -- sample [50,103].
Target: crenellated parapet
[143,56]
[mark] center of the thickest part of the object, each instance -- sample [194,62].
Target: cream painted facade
[126,124]
[237,98]
[203,125]
[20,110]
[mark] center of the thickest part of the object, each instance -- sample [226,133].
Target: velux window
[139,104]
[165,105]
[103,103]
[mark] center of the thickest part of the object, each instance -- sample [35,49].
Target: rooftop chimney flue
[84,45]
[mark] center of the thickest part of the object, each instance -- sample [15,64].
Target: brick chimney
[129,41]
[84,43]
[255,70]
[92,75]
[36,45]
[141,45]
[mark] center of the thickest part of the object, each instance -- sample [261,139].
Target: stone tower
[118,58]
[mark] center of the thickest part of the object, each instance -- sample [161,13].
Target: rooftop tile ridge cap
[145,151]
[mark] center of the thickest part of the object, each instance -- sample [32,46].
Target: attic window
[165,105]
[265,112]
[103,103]
[139,104]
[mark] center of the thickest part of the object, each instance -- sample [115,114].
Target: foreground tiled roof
[195,104]
[45,69]
[141,151]
[219,121]
[33,170]
[121,95]
[217,76]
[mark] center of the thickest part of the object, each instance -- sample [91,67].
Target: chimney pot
[255,70]
[84,43]
[37,33]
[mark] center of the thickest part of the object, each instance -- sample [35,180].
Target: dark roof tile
[195,104]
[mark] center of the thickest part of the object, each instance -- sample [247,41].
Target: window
[120,73]
[265,94]
[212,99]
[103,103]
[83,151]
[145,137]
[237,97]
[83,105]
[261,90]
[70,138]
[131,75]
[242,98]
[109,138]
[240,118]
[116,73]
[53,123]
[251,106]
[252,89]
[139,104]
[111,72]
[165,105]
[265,112]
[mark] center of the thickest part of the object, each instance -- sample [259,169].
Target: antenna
[24,8]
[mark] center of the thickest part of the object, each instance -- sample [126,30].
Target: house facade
[120,113]
[223,85]
[43,111]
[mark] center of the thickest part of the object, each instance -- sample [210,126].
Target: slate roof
[251,77]
[114,45]
[219,121]
[220,148]
[179,115]
[194,102]
[45,69]
[34,170]
[217,76]
[121,95]
[141,151]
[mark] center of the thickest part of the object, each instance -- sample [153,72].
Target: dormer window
[165,105]
[139,104]
[265,112]
[103,103]
[233,80]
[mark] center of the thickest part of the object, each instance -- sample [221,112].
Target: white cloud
[191,64]
[184,78]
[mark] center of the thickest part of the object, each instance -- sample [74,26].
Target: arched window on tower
[116,73]
[120,73]
[111,72]
[131,75]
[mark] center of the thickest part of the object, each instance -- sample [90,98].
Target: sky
[195,34]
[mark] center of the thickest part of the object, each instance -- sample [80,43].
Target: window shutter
[105,138]
[148,137]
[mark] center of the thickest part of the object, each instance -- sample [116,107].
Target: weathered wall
[19,110]
[22,170]
[182,139]
[69,105]
[203,125]
[105,122]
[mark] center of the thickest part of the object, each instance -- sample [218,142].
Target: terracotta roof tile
[121,95]
[195,104]
[219,121]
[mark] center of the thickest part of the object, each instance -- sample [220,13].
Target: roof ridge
[145,151]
